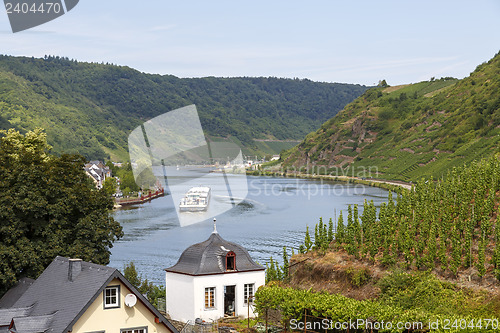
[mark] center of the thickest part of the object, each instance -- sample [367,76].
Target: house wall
[180,296]
[197,308]
[96,318]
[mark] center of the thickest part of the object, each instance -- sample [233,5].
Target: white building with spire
[212,279]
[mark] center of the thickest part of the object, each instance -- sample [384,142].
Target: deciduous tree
[48,207]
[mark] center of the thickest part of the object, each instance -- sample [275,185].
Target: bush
[358,277]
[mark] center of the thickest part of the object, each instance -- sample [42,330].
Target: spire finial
[215,226]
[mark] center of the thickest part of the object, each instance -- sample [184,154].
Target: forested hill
[410,131]
[91,108]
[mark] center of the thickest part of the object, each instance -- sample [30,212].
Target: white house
[212,279]
[98,172]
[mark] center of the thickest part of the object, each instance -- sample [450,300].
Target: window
[230,261]
[112,297]
[248,293]
[134,330]
[210,297]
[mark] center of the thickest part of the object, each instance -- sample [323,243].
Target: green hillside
[91,108]
[409,131]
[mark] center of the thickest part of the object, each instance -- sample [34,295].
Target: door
[229,301]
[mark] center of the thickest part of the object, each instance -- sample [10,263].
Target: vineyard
[295,304]
[451,224]
[447,226]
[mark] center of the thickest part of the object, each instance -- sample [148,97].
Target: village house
[75,296]
[212,279]
[98,172]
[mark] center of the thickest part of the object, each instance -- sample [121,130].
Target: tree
[109,186]
[330,230]
[382,83]
[340,234]
[112,167]
[351,232]
[127,180]
[48,207]
[286,265]
[307,241]
[149,289]
[273,271]
[130,273]
[317,238]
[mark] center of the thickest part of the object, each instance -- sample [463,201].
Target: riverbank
[119,203]
[392,185]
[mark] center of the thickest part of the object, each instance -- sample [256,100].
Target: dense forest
[410,131]
[91,108]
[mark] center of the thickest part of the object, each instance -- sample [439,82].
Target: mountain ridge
[90,108]
[409,131]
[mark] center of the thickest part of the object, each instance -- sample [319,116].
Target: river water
[274,214]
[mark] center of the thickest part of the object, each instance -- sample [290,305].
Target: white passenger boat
[195,200]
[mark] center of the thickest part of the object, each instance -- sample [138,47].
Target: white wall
[184,304]
[180,296]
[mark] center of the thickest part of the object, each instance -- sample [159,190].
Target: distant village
[98,172]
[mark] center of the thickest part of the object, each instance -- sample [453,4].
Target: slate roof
[13,294]
[209,257]
[97,170]
[32,324]
[59,302]
[6,315]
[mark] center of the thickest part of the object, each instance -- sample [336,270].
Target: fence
[143,198]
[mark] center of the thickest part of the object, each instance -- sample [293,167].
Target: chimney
[75,267]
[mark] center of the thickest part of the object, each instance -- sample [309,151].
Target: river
[274,214]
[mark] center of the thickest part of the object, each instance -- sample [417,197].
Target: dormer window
[230,261]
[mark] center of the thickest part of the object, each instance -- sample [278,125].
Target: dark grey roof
[209,257]
[6,315]
[11,296]
[54,293]
[32,324]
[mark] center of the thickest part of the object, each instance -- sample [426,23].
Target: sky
[356,41]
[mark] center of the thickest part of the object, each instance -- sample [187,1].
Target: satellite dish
[130,300]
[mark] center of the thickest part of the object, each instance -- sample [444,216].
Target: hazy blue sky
[335,41]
